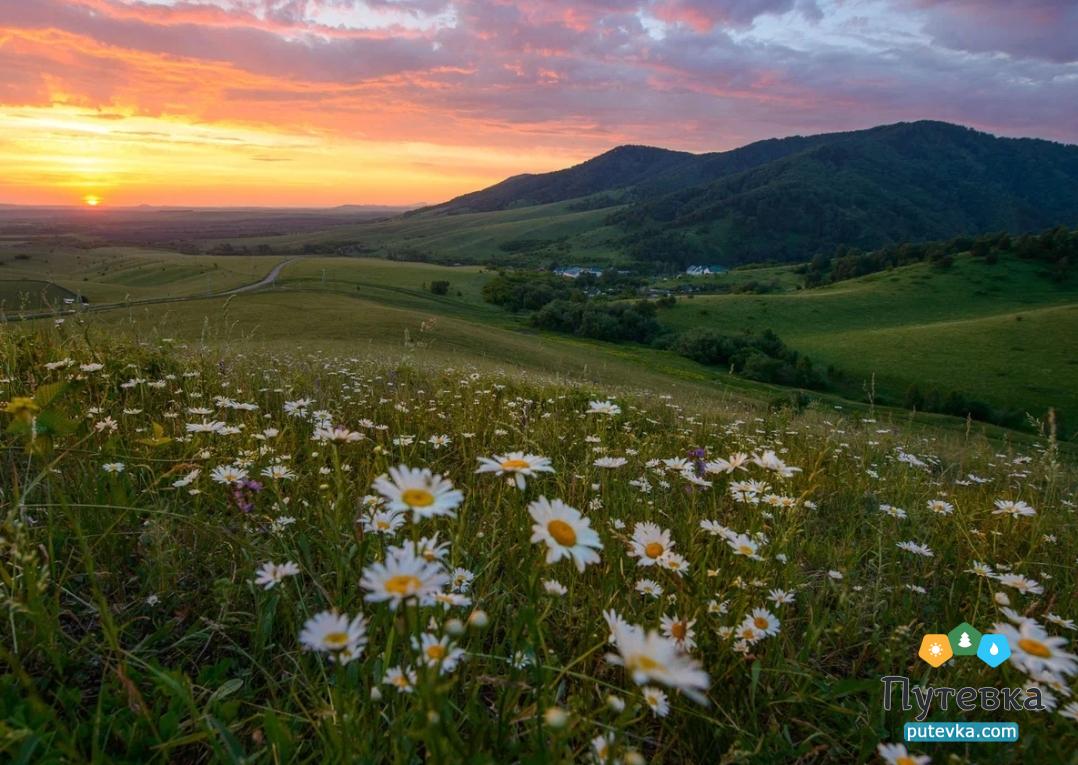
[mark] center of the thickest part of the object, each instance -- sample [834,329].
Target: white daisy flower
[565,531]
[425,494]
[518,464]
[1034,651]
[270,574]
[403,576]
[334,633]
[649,543]
[650,657]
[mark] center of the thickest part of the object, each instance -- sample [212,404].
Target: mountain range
[790,198]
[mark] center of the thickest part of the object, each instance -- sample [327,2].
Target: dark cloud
[573,70]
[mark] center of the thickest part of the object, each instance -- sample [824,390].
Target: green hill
[898,183]
[791,198]
[997,332]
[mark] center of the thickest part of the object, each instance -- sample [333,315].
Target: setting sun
[91,200]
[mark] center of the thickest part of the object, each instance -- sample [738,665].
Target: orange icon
[935,649]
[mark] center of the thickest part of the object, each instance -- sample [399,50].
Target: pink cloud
[573,75]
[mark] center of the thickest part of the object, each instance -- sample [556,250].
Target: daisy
[229,474]
[610,462]
[603,747]
[679,630]
[656,700]
[425,494]
[565,531]
[519,464]
[940,507]
[437,652]
[743,544]
[894,512]
[402,576]
[337,435]
[747,633]
[554,587]
[780,597]
[278,472]
[333,633]
[764,621]
[603,407]
[113,467]
[1059,621]
[649,543]
[915,548]
[383,522]
[735,462]
[400,678]
[650,657]
[896,754]
[1020,583]
[270,574]
[770,461]
[1013,509]
[671,561]
[1033,650]
[649,587]
[462,579]
[1070,711]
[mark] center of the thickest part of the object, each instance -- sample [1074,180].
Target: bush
[440,287]
[603,321]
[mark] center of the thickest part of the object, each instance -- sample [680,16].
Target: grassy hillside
[177,527]
[911,325]
[1000,332]
[113,274]
[528,236]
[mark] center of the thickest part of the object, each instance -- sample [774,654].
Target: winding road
[265,281]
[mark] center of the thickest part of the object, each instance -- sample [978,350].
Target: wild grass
[134,630]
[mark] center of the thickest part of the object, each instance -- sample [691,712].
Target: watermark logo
[993,650]
[964,640]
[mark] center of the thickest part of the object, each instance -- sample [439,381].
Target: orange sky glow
[327,102]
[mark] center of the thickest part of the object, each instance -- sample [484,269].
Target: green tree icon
[964,639]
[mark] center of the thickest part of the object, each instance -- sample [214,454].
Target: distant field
[525,235]
[1002,332]
[114,274]
[22,294]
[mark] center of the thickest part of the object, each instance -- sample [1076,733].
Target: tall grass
[133,629]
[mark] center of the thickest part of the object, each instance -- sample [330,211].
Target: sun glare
[91,200]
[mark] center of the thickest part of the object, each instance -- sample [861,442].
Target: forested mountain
[792,198]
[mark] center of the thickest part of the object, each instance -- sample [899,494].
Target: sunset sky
[325,102]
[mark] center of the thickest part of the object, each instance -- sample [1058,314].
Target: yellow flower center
[1035,647]
[678,630]
[515,464]
[745,550]
[436,651]
[402,584]
[904,760]
[336,639]
[382,525]
[417,497]
[761,623]
[562,532]
[654,549]
[644,662]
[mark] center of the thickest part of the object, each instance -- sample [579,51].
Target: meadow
[37,275]
[340,304]
[1001,332]
[243,554]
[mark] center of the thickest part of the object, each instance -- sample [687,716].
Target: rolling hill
[790,198]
